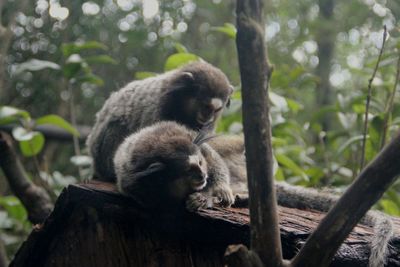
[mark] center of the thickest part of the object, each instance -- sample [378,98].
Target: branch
[255,73]
[364,141]
[389,107]
[35,199]
[54,133]
[3,254]
[368,188]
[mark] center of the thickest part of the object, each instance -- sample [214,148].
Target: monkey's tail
[383,230]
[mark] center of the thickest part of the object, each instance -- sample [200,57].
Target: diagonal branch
[368,188]
[34,198]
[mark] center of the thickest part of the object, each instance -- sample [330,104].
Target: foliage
[30,141]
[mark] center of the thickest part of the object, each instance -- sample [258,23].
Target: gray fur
[383,229]
[183,95]
[231,149]
[168,148]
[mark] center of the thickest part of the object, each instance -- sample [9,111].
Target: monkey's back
[131,108]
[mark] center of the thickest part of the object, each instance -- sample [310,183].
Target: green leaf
[91,78]
[74,48]
[81,160]
[140,75]
[390,207]
[180,48]
[347,120]
[358,108]
[278,101]
[30,142]
[177,60]
[10,114]
[33,146]
[291,165]
[228,29]
[71,69]
[35,65]
[14,208]
[101,59]
[348,143]
[293,105]
[74,58]
[57,121]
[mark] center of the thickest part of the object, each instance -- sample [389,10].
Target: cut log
[93,225]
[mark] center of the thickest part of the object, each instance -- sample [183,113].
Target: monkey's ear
[231,89]
[187,75]
[181,82]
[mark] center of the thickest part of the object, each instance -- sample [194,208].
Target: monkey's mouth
[203,121]
[199,185]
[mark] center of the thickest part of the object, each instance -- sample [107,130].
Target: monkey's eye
[201,162]
[217,109]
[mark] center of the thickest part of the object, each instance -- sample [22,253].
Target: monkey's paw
[198,201]
[224,195]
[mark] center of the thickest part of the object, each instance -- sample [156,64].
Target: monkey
[167,163]
[232,151]
[193,95]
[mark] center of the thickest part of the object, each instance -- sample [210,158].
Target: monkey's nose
[201,176]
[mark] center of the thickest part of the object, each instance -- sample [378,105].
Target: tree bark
[3,255]
[255,73]
[325,41]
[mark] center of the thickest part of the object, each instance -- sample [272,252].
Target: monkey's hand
[224,195]
[198,201]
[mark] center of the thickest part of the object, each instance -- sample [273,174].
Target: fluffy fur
[166,162]
[231,149]
[193,95]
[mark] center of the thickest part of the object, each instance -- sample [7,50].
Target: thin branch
[35,199]
[369,94]
[77,148]
[255,73]
[368,188]
[389,107]
[3,254]
[54,133]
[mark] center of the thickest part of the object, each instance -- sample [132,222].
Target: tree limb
[54,133]
[34,198]
[255,73]
[3,255]
[368,188]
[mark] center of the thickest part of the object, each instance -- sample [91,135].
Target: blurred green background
[64,58]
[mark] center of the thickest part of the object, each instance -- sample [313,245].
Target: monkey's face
[188,176]
[196,96]
[204,110]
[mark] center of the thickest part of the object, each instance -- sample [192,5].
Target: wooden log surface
[93,225]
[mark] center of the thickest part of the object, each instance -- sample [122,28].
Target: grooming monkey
[167,163]
[232,151]
[193,95]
